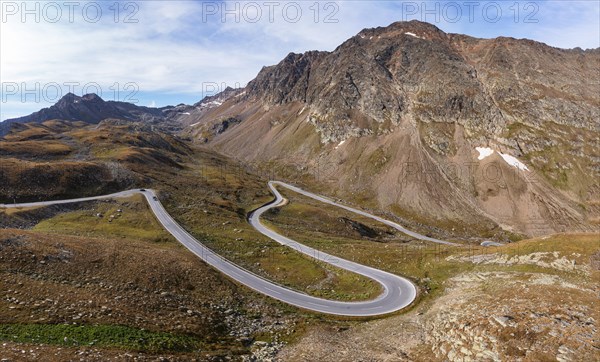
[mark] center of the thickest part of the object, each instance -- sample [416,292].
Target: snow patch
[484,152]
[339,144]
[186,113]
[211,104]
[195,124]
[413,34]
[513,161]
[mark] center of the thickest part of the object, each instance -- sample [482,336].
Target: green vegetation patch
[133,221]
[579,247]
[98,336]
[288,267]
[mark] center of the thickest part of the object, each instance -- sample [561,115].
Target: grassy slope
[134,222]
[126,293]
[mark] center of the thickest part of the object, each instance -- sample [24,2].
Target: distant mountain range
[91,109]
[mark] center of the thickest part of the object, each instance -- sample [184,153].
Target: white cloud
[145,53]
[568,24]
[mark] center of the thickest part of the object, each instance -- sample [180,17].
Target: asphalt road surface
[397,292]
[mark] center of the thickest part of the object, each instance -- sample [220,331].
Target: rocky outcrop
[287,81]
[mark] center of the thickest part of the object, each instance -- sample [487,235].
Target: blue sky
[169,52]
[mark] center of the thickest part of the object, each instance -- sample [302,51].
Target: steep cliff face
[287,81]
[397,115]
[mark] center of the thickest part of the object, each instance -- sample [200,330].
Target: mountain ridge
[410,94]
[91,108]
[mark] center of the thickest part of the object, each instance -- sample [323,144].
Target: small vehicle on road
[154,198]
[143,190]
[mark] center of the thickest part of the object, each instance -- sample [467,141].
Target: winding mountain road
[353,210]
[397,294]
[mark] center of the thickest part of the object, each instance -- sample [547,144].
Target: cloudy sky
[160,52]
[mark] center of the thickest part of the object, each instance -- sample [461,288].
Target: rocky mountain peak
[413,71]
[92,97]
[68,99]
[414,28]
